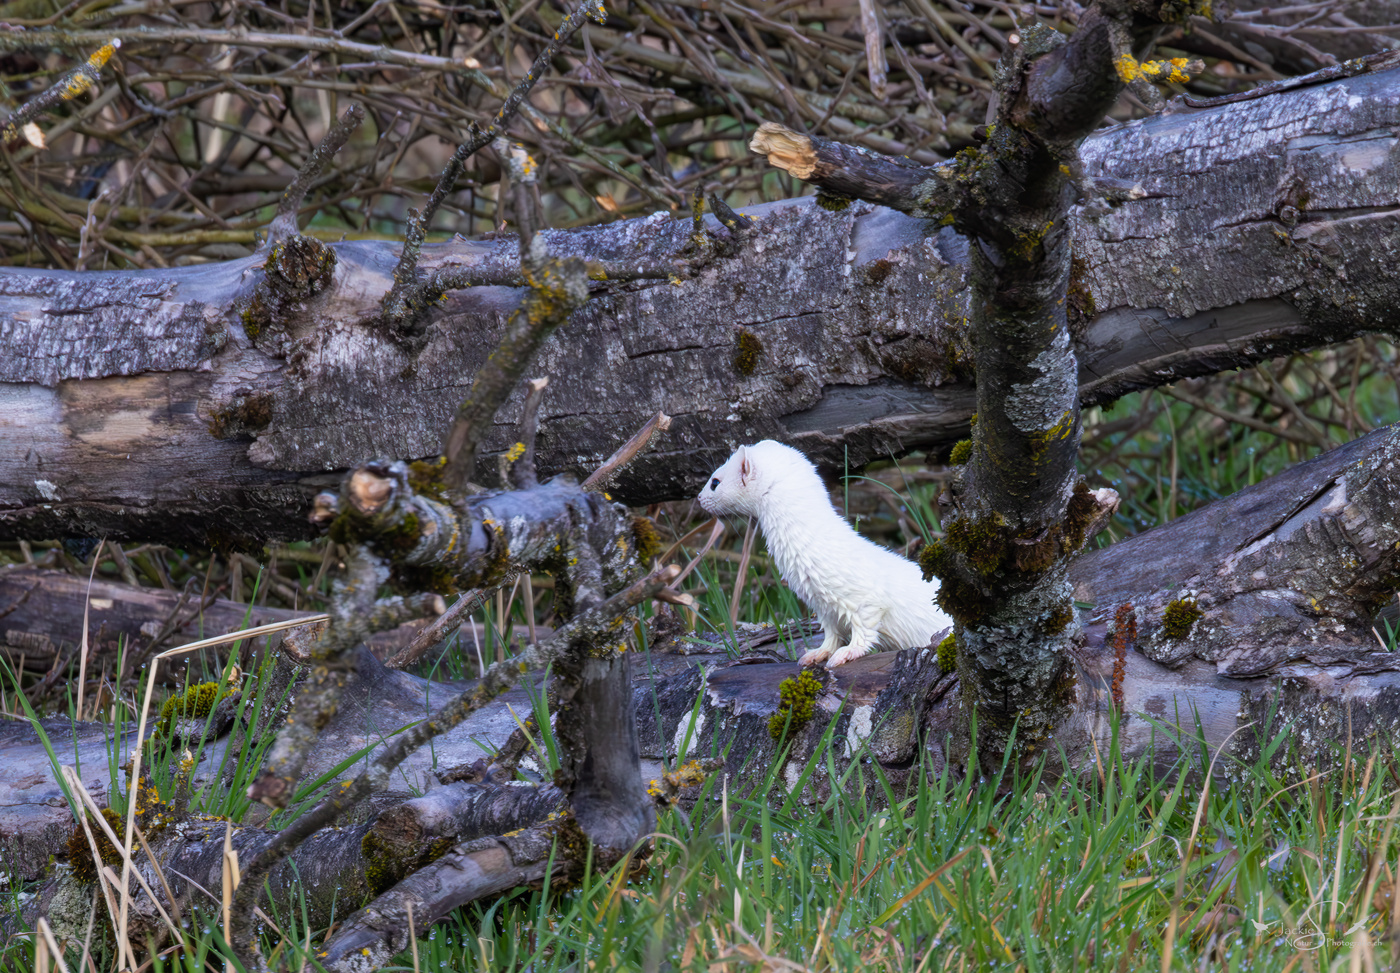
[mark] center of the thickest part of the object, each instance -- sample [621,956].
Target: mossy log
[137,405]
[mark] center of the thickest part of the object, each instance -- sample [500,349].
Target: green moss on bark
[797,702]
[948,654]
[747,351]
[1178,617]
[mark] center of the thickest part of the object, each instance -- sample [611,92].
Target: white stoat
[862,592]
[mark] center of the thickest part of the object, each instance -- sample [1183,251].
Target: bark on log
[135,405]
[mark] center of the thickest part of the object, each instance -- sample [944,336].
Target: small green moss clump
[878,271]
[833,202]
[963,601]
[437,578]
[255,315]
[80,852]
[244,414]
[797,701]
[983,542]
[933,559]
[381,873]
[1078,517]
[948,654]
[748,349]
[394,540]
[425,478]
[1079,300]
[385,865]
[400,540]
[1179,616]
[962,452]
[648,539]
[195,703]
[304,264]
[1058,620]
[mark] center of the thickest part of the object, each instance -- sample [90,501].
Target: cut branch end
[787,150]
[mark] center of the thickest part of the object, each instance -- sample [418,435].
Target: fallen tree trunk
[141,405]
[42,612]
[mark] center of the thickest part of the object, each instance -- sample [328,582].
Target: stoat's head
[756,473]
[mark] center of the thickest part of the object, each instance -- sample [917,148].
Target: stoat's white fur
[862,592]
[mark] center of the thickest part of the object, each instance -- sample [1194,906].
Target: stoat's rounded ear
[745,467]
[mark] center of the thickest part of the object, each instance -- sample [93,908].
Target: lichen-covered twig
[284,223]
[66,88]
[404,299]
[844,172]
[557,289]
[522,473]
[446,623]
[355,612]
[599,479]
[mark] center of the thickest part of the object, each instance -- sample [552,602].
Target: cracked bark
[1264,226]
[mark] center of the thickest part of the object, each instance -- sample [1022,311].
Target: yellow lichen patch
[665,788]
[1130,69]
[1042,441]
[103,54]
[515,452]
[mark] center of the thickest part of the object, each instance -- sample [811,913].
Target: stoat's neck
[799,525]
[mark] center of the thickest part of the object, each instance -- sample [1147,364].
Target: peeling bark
[1263,226]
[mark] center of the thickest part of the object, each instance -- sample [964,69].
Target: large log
[137,405]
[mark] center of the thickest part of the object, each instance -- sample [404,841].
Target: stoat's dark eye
[714,484]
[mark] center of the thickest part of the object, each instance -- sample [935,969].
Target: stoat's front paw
[849,654]
[814,657]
